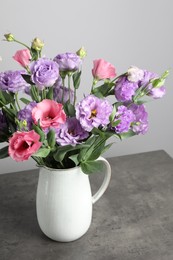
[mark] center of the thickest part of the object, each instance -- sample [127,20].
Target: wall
[122,32]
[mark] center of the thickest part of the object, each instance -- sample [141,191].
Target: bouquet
[49,124]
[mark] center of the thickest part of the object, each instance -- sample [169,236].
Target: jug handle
[105,182]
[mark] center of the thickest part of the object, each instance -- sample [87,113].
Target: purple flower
[61,95]
[140,125]
[25,115]
[12,81]
[146,79]
[93,112]
[126,117]
[68,61]
[124,89]
[71,133]
[44,72]
[3,122]
[157,92]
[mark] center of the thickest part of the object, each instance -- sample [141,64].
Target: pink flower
[23,144]
[103,70]
[49,114]
[23,57]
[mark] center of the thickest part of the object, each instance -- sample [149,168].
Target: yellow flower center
[93,113]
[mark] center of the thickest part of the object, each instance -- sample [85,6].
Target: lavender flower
[68,61]
[93,112]
[25,115]
[61,95]
[140,125]
[124,89]
[71,133]
[44,72]
[157,92]
[126,117]
[12,81]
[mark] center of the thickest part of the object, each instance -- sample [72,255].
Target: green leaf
[42,152]
[63,150]
[51,138]
[130,133]
[34,93]
[106,148]
[69,109]
[74,158]
[114,124]
[39,131]
[25,101]
[49,94]
[159,82]
[27,78]
[6,98]
[86,152]
[112,116]
[90,167]
[76,79]
[103,90]
[4,152]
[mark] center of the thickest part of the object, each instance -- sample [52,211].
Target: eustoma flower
[140,125]
[93,112]
[68,61]
[25,115]
[23,57]
[49,114]
[44,72]
[23,145]
[71,133]
[103,70]
[12,81]
[126,117]
[124,89]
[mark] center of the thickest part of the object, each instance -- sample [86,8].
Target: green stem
[74,102]
[69,77]
[93,84]
[22,44]
[63,84]
[17,101]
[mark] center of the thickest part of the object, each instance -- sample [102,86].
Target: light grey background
[122,32]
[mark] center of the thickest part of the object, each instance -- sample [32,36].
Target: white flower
[135,74]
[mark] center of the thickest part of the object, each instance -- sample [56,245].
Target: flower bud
[9,37]
[37,44]
[81,53]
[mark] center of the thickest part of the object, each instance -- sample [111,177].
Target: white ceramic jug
[64,201]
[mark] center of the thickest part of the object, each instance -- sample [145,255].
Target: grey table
[133,219]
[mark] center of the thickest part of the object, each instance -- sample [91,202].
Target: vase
[64,201]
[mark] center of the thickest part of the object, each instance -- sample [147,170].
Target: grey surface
[133,219]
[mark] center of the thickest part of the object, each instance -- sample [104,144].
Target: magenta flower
[93,112]
[49,113]
[71,133]
[103,70]
[44,72]
[23,145]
